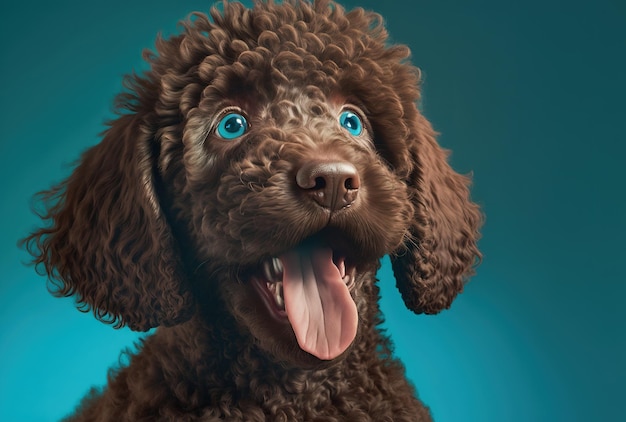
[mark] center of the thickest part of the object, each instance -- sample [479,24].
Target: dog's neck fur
[229,371]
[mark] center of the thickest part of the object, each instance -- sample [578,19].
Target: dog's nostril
[333,185]
[320,183]
[351,183]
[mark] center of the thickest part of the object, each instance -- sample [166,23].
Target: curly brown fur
[167,223]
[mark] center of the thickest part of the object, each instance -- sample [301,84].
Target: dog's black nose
[332,184]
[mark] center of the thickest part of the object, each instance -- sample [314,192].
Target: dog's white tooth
[340,263]
[278,267]
[349,280]
[342,268]
[267,271]
[280,301]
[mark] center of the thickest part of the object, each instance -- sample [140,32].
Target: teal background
[530,97]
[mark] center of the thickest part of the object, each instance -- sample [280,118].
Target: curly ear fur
[442,252]
[107,241]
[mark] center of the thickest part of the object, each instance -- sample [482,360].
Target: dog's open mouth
[309,286]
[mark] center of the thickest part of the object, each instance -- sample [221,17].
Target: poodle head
[263,165]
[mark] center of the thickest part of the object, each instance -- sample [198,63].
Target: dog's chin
[282,347]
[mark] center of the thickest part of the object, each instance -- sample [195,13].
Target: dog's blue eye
[351,122]
[232,126]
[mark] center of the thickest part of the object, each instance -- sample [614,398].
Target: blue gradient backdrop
[530,97]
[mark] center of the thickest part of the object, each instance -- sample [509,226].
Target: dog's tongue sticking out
[318,302]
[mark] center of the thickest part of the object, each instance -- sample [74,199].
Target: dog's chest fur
[220,375]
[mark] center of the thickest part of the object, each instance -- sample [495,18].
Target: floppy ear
[441,252]
[107,241]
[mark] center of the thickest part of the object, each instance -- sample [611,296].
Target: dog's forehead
[298,103]
[275,45]
[300,76]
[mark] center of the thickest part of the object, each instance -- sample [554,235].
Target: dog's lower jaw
[308,288]
[248,301]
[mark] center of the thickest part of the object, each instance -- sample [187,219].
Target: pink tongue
[318,303]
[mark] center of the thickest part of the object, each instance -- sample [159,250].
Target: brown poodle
[241,203]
